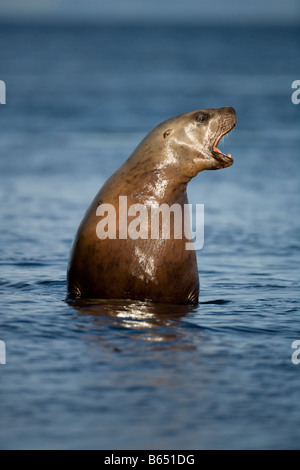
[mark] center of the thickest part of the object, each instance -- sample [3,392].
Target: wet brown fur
[113,268]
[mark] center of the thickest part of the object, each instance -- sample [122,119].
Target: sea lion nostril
[228,109]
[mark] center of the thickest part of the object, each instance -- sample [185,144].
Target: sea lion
[157,172]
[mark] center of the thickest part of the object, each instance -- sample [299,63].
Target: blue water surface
[135,375]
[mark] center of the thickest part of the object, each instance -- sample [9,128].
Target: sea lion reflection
[148,321]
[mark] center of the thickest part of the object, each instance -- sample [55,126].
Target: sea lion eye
[202,117]
[167,133]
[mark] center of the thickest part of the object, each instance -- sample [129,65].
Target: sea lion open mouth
[215,149]
[217,152]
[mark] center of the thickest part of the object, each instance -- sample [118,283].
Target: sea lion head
[188,142]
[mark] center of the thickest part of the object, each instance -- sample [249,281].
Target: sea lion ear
[167,133]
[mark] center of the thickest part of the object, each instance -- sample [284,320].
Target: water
[121,375]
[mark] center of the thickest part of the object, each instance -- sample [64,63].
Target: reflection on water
[152,321]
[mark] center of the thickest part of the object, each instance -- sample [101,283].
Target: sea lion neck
[152,183]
